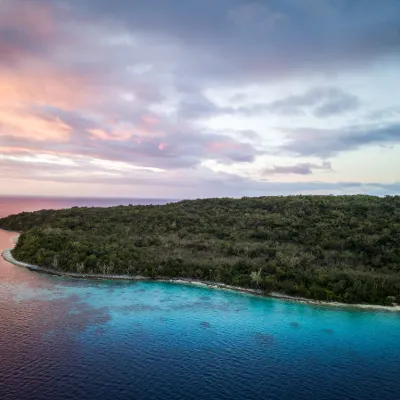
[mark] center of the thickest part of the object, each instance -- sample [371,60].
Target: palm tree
[256,277]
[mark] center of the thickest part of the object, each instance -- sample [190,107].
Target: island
[327,248]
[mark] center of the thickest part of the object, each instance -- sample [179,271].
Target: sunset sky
[199,98]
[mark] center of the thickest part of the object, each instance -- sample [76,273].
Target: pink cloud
[28,28]
[150,119]
[41,84]
[98,134]
[23,123]
[162,146]
[116,135]
[33,16]
[222,146]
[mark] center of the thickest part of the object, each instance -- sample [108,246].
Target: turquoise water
[75,339]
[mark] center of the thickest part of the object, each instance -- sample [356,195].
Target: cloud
[127,82]
[328,142]
[223,45]
[201,182]
[247,133]
[255,14]
[144,140]
[215,41]
[26,29]
[25,125]
[196,105]
[384,113]
[323,102]
[297,169]
[39,83]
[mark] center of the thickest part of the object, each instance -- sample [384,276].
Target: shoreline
[6,254]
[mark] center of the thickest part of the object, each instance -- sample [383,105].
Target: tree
[256,277]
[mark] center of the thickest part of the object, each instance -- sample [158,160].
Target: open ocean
[64,338]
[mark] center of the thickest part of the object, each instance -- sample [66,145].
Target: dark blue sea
[75,339]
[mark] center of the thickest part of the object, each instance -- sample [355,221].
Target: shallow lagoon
[62,338]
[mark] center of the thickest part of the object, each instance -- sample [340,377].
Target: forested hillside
[344,248]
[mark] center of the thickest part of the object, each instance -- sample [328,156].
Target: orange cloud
[22,123]
[42,84]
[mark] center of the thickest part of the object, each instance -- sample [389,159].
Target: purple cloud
[297,169]
[327,142]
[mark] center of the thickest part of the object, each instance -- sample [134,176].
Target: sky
[200,98]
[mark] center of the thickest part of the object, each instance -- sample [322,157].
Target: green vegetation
[340,248]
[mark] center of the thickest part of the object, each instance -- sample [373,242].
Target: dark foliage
[344,248]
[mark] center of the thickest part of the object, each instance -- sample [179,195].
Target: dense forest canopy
[341,248]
